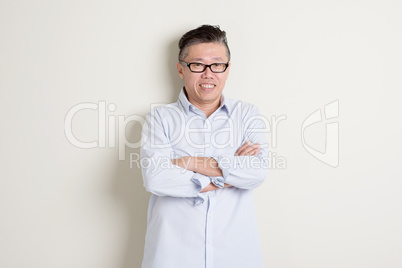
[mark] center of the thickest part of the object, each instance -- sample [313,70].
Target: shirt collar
[186,104]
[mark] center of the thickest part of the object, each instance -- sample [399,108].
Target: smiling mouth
[207,86]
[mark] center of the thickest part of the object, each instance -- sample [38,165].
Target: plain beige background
[63,206]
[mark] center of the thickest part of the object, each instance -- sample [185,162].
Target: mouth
[207,86]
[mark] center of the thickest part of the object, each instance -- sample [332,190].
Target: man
[202,156]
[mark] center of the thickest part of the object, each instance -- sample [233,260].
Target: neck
[207,107]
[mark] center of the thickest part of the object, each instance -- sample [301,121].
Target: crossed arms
[189,176]
[208,165]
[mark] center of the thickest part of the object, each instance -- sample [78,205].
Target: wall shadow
[172,58]
[127,183]
[129,191]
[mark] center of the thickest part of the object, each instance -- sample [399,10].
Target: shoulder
[242,107]
[166,111]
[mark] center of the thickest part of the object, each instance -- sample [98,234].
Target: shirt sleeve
[160,176]
[246,172]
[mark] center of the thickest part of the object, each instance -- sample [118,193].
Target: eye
[219,65]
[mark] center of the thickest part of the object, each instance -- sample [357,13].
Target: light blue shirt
[215,229]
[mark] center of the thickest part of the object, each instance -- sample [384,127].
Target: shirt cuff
[201,181]
[218,181]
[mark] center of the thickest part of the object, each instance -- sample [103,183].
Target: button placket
[207,138]
[211,200]
[209,231]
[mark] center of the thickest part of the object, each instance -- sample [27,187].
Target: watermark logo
[271,161]
[106,124]
[112,131]
[331,154]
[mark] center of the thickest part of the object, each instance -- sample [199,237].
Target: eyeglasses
[197,67]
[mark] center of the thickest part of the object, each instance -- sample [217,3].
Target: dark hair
[202,34]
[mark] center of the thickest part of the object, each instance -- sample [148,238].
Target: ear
[180,69]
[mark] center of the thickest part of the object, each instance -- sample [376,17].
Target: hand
[209,187]
[248,149]
[212,187]
[228,185]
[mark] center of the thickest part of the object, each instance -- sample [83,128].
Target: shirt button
[209,241]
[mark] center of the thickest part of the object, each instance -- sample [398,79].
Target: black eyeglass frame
[205,66]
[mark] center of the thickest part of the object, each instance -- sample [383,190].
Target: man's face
[204,88]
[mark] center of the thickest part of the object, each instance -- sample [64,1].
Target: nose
[207,73]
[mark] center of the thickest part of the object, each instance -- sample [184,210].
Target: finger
[244,146]
[250,151]
[246,149]
[254,152]
[250,148]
